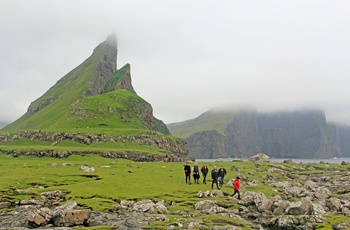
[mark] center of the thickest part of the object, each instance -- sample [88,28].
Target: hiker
[195,173]
[204,171]
[167,158]
[178,157]
[187,170]
[222,174]
[236,186]
[214,177]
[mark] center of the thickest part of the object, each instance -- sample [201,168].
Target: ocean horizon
[334,160]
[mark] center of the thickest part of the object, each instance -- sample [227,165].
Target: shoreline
[280,160]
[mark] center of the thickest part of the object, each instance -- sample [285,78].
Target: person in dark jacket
[236,186]
[214,177]
[204,171]
[195,172]
[222,174]
[187,170]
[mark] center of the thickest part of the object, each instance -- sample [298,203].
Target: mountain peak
[93,93]
[106,67]
[112,40]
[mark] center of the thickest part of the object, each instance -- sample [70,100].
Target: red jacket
[236,184]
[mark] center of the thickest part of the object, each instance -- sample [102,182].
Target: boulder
[5,204]
[69,218]
[87,169]
[40,217]
[205,194]
[296,192]
[216,192]
[205,204]
[209,207]
[342,226]
[289,222]
[302,207]
[147,206]
[289,161]
[260,157]
[334,204]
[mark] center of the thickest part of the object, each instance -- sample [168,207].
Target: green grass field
[117,179]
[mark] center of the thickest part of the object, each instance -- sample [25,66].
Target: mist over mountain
[241,133]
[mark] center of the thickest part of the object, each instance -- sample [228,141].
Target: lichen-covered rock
[69,218]
[334,204]
[147,206]
[40,217]
[302,207]
[260,157]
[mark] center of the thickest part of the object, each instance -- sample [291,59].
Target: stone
[260,157]
[5,204]
[334,204]
[302,207]
[40,217]
[69,218]
[342,226]
[87,169]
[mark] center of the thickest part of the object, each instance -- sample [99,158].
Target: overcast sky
[186,56]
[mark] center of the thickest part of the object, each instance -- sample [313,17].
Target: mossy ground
[117,179]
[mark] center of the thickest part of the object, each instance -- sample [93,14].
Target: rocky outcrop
[106,66]
[298,134]
[149,138]
[35,107]
[119,80]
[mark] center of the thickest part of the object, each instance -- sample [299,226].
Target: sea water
[295,160]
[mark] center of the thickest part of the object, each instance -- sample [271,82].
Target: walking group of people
[170,158]
[217,176]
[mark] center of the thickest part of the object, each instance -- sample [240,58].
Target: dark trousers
[237,191]
[204,178]
[196,177]
[188,176]
[221,181]
[216,182]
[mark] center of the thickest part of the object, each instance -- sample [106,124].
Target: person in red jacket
[236,186]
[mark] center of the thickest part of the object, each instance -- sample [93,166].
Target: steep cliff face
[293,134]
[298,134]
[106,66]
[207,144]
[242,137]
[342,137]
[119,80]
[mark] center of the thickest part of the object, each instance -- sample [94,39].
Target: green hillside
[59,98]
[93,99]
[210,120]
[65,106]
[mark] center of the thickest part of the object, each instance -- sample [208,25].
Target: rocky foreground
[314,201]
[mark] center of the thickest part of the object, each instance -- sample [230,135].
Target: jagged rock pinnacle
[106,67]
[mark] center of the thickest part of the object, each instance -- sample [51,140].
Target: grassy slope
[66,91]
[101,109]
[131,181]
[113,110]
[207,121]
